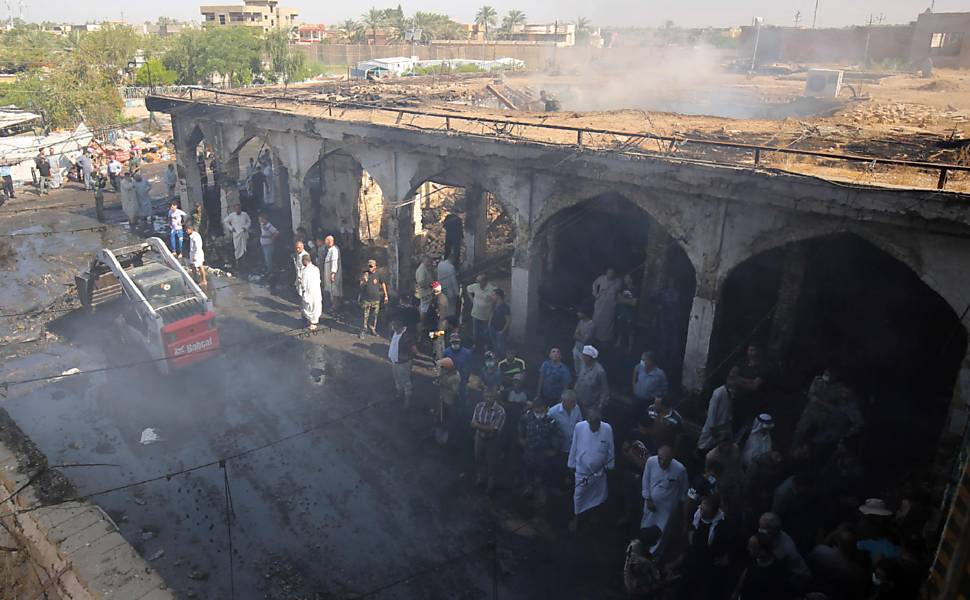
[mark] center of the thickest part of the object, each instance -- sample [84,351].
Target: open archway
[840,302]
[343,200]
[579,243]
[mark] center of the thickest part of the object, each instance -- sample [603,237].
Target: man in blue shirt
[554,377]
[461,356]
[649,381]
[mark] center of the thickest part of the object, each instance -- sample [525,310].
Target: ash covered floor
[365,505]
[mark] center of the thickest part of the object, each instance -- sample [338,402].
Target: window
[222,19]
[946,44]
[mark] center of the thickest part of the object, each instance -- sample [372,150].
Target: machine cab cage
[162,306]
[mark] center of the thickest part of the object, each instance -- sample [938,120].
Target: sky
[641,13]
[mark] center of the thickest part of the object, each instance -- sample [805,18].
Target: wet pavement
[334,491]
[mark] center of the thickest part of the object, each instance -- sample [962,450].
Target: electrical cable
[301,331]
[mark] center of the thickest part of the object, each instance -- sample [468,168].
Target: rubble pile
[902,114]
[150,147]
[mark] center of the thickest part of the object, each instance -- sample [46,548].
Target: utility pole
[757,38]
[798,17]
[815,16]
[865,54]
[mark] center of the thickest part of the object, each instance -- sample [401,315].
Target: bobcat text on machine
[162,306]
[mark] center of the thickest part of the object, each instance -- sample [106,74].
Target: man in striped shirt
[487,422]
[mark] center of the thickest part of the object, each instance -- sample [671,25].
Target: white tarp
[12,116]
[19,150]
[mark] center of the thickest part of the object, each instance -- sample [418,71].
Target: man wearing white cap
[759,440]
[592,389]
[590,455]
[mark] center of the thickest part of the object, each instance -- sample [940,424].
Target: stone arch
[576,238]
[779,237]
[497,182]
[845,299]
[342,197]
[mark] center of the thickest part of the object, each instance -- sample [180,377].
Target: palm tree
[486,16]
[509,22]
[373,19]
[582,28]
[351,30]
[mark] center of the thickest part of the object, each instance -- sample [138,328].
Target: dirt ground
[900,116]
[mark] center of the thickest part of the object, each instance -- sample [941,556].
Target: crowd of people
[731,507]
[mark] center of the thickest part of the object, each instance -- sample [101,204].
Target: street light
[757,38]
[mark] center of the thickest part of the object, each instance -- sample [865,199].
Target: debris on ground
[148,436]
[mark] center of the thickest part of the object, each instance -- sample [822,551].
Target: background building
[267,15]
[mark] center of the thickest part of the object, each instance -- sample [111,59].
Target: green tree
[511,20]
[65,100]
[352,31]
[186,57]
[23,47]
[233,53]
[154,72]
[582,30]
[437,26]
[372,19]
[486,17]
[110,49]
[285,65]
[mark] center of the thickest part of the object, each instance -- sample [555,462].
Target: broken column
[229,183]
[524,295]
[476,225]
[188,168]
[700,327]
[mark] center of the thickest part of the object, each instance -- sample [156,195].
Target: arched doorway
[343,200]
[840,302]
[202,160]
[263,183]
[579,243]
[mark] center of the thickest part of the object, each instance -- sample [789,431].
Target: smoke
[687,80]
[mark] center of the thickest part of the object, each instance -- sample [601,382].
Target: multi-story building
[266,15]
[559,33]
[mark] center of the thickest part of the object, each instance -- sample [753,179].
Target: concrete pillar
[476,226]
[229,184]
[699,330]
[191,179]
[524,295]
[406,230]
[789,292]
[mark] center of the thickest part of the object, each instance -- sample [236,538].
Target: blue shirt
[5,171]
[555,379]
[650,384]
[461,358]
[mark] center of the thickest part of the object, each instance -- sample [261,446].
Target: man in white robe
[332,273]
[196,253]
[310,292]
[171,182]
[664,488]
[143,193]
[269,186]
[449,284]
[237,225]
[299,251]
[129,203]
[606,287]
[590,455]
[719,411]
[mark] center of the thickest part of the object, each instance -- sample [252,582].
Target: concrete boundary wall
[76,544]
[535,56]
